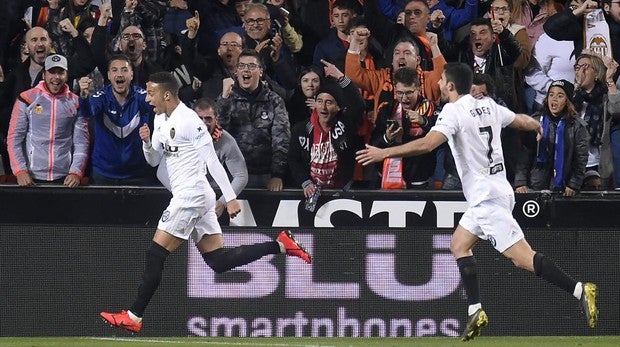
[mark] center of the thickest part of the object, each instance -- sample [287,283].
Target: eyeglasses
[581,66]
[135,36]
[230,44]
[502,9]
[408,93]
[250,66]
[252,21]
[415,12]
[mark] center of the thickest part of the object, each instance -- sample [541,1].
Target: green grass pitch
[483,341]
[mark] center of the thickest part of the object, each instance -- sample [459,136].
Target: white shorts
[184,222]
[492,220]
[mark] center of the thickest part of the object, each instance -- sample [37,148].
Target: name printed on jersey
[479,111]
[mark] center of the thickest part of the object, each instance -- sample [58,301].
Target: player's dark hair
[122,57]
[167,82]
[461,75]
[407,76]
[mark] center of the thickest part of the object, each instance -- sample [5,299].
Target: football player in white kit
[181,145]
[472,128]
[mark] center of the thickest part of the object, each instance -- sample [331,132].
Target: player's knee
[523,262]
[458,250]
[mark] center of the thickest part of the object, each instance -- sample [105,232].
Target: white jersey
[181,169]
[473,129]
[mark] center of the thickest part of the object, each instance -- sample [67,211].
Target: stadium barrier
[382,266]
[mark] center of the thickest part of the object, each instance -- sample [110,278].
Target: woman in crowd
[301,102]
[562,153]
[596,98]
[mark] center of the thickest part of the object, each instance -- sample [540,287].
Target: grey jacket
[46,135]
[260,125]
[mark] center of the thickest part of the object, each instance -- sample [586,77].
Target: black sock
[153,266]
[224,259]
[469,275]
[545,268]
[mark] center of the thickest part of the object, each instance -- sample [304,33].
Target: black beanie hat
[334,90]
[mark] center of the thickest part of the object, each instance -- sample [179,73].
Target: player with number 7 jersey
[471,127]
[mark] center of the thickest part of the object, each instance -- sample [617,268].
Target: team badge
[38,109]
[172,132]
[264,115]
[165,216]
[599,45]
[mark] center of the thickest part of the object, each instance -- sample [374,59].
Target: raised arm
[152,153]
[409,149]
[527,123]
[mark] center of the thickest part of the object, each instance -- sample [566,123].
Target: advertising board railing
[382,266]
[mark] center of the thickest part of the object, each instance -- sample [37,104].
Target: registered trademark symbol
[531,208]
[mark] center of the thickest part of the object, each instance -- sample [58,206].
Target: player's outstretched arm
[422,145]
[527,123]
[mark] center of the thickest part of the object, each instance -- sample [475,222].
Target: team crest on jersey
[172,132]
[38,109]
[264,115]
[165,216]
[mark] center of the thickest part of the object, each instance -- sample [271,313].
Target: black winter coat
[539,176]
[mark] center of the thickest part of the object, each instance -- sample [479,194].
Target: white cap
[55,60]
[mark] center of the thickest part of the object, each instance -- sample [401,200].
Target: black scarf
[593,115]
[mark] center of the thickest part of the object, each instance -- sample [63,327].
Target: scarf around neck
[547,145]
[593,114]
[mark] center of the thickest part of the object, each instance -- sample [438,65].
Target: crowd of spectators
[295,87]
